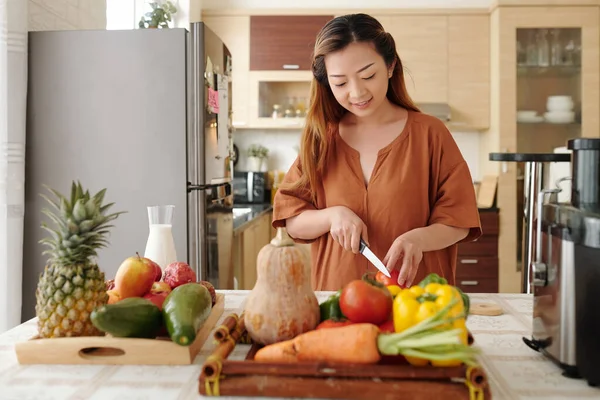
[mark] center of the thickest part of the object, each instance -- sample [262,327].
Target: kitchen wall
[282,145]
[223,4]
[45,15]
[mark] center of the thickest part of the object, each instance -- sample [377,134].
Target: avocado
[185,310]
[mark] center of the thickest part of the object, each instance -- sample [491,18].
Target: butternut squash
[282,304]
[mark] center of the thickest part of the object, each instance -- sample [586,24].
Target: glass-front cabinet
[545,90]
[279,99]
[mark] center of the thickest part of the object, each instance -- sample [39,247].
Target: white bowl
[559,103]
[560,117]
[526,114]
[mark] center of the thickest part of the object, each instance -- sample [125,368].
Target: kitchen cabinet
[234,31]
[537,52]
[280,42]
[422,44]
[469,70]
[477,261]
[247,245]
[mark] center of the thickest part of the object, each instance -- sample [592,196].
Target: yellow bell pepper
[394,290]
[416,304]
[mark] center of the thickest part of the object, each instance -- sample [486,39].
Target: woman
[372,165]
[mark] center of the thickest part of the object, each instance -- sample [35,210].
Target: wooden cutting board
[486,309]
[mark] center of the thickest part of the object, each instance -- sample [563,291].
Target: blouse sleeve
[455,203]
[289,203]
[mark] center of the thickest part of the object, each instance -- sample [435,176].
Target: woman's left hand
[410,253]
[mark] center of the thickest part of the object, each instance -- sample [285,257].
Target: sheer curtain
[13,94]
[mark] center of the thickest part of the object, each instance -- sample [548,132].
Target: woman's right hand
[346,228]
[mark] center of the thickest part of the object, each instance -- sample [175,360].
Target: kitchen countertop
[242,221]
[514,370]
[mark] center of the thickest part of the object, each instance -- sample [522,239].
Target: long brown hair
[324,112]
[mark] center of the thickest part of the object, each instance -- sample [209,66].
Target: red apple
[157,298]
[110,284]
[179,273]
[160,287]
[156,268]
[134,277]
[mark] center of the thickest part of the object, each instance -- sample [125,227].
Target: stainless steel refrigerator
[145,114]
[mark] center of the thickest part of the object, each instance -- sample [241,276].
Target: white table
[514,370]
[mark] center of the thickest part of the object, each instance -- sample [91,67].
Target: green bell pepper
[330,308]
[433,278]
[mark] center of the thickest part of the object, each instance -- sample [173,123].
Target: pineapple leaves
[61,223]
[82,227]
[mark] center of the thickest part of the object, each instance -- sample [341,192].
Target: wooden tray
[120,351]
[392,378]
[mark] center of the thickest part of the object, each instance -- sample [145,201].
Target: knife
[365,251]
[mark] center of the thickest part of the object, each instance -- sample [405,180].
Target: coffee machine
[565,273]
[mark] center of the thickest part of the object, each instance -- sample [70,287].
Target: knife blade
[365,251]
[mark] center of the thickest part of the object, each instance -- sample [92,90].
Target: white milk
[160,247]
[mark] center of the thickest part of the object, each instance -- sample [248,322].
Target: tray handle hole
[98,352]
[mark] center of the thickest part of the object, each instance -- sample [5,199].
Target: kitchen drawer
[486,245]
[477,267]
[484,285]
[489,222]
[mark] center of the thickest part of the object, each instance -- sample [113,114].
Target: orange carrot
[356,344]
[277,352]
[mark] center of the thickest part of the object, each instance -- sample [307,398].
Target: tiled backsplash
[283,146]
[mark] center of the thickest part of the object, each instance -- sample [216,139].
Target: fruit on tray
[72,284]
[113,296]
[282,303]
[211,290]
[179,273]
[132,317]
[158,293]
[110,284]
[134,277]
[156,267]
[185,309]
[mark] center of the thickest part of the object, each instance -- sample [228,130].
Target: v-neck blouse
[420,178]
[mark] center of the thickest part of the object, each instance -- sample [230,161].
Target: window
[123,14]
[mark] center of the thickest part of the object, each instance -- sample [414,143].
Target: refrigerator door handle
[191,187]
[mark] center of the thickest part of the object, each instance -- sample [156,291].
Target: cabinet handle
[291,66]
[469,261]
[469,283]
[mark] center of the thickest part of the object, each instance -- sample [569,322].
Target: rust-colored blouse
[419,179]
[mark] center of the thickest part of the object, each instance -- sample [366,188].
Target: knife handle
[363,244]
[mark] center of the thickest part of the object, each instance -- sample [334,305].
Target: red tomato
[393,280]
[331,323]
[363,301]
[387,326]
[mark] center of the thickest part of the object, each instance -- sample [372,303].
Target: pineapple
[72,285]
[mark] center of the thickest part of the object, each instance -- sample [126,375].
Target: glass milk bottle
[160,246]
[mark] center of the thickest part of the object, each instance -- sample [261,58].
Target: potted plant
[256,155]
[159,17]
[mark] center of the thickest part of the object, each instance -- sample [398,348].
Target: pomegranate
[178,273]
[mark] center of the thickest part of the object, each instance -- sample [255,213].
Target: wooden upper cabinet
[283,42]
[422,44]
[469,70]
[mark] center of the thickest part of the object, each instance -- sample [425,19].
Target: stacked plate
[560,110]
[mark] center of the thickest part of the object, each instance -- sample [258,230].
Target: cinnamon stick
[353,389]
[212,365]
[226,327]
